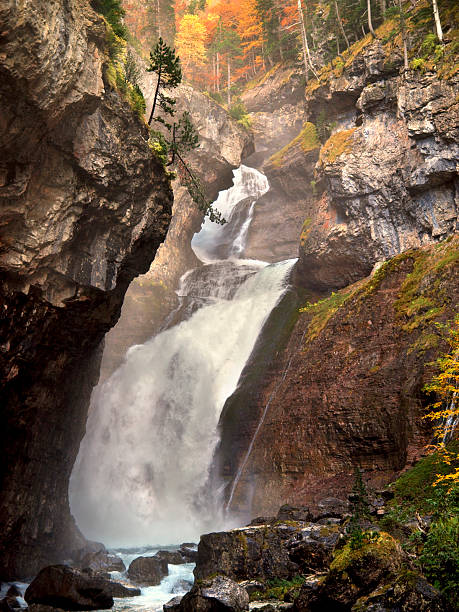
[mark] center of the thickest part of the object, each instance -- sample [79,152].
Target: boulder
[332,507]
[270,606]
[294,513]
[410,592]
[147,570]
[174,557]
[220,594]
[354,574]
[102,561]
[313,549]
[189,552]
[248,553]
[61,586]
[173,605]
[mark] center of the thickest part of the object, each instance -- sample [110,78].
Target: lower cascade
[141,476]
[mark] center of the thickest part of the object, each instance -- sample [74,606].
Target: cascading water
[141,473]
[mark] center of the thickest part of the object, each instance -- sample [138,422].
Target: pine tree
[166,65]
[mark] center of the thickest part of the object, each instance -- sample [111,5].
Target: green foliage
[238,111]
[324,126]
[131,69]
[113,12]
[166,65]
[278,589]
[418,63]
[439,559]
[360,513]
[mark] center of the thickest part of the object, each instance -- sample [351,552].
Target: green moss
[307,139]
[384,545]
[278,589]
[338,144]
[414,489]
[305,230]
[323,310]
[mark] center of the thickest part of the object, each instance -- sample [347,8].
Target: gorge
[185,377]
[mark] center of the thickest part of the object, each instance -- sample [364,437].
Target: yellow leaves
[190,41]
[446,410]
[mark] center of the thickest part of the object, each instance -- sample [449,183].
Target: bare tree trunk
[341,24]
[437,20]
[229,83]
[156,96]
[158,18]
[370,23]
[403,29]
[304,38]
[382,6]
[218,72]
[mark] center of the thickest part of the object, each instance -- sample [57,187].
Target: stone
[313,550]
[253,586]
[293,513]
[60,586]
[147,570]
[219,594]
[174,557]
[101,561]
[249,553]
[331,507]
[173,605]
[189,552]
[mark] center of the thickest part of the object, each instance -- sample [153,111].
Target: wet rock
[189,552]
[60,586]
[270,606]
[249,553]
[173,605]
[102,561]
[147,570]
[219,594]
[253,586]
[42,608]
[174,557]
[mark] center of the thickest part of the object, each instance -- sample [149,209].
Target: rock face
[151,297]
[84,206]
[347,389]
[387,178]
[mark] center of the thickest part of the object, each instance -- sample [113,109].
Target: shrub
[440,557]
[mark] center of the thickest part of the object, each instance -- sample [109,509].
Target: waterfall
[141,473]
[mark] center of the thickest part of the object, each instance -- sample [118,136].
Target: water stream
[142,470]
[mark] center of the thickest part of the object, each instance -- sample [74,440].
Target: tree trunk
[341,24]
[370,22]
[304,38]
[229,83]
[437,21]
[382,6]
[403,30]
[218,72]
[156,96]
[158,18]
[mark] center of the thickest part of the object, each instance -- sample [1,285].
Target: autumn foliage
[445,411]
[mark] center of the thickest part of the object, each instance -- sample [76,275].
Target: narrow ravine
[141,476]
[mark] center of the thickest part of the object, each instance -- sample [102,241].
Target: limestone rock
[148,570]
[84,206]
[101,561]
[216,594]
[174,557]
[60,586]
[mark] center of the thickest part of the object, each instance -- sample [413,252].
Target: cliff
[372,174]
[346,390]
[85,205]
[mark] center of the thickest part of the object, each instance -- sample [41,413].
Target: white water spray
[143,466]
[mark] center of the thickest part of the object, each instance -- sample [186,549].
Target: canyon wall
[372,173]
[84,206]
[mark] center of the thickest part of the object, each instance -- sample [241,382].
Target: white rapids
[141,473]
